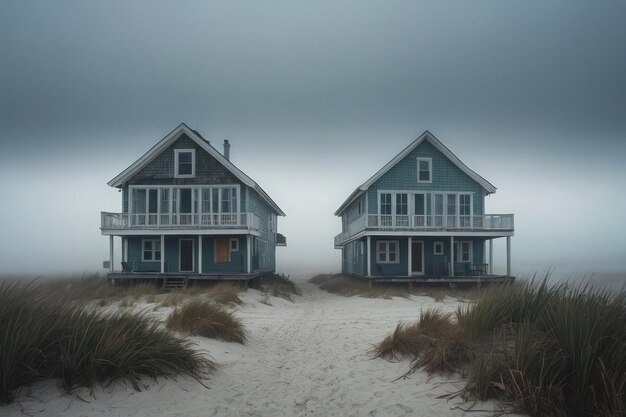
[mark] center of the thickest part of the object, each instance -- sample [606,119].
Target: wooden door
[417,258]
[186,255]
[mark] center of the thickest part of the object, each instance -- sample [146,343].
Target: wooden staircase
[174,283]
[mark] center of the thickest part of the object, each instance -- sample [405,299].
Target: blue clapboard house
[189,213]
[422,217]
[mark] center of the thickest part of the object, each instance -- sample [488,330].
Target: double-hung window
[463,251]
[424,170]
[387,252]
[385,209]
[184,163]
[151,250]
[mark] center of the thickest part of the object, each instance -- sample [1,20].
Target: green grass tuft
[206,318]
[43,335]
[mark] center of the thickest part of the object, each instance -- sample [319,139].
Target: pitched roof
[170,138]
[440,146]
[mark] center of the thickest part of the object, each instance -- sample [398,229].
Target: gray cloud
[530,94]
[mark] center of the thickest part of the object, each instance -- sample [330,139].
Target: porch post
[409,272]
[490,256]
[451,256]
[249,251]
[111,260]
[200,254]
[125,249]
[508,256]
[162,254]
[369,255]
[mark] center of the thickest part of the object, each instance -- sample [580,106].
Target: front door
[417,258]
[186,255]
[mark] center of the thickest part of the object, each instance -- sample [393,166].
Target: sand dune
[308,358]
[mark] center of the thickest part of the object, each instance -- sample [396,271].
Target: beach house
[421,217]
[187,212]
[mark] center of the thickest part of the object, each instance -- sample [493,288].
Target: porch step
[174,283]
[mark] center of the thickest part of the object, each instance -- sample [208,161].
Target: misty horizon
[314,99]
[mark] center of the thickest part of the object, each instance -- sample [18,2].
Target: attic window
[184,163]
[424,170]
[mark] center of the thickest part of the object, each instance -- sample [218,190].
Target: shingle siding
[446,176]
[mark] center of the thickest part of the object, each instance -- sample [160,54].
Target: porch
[432,224]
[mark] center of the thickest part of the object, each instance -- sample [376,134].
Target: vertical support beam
[490,256]
[451,256]
[200,253]
[162,254]
[409,272]
[125,249]
[249,252]
[369,256]
[111,260]
[508,256]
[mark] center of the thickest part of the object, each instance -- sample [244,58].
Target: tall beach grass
[549,350]
[50,334]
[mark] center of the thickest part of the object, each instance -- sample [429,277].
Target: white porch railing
[382,222]
[122,221]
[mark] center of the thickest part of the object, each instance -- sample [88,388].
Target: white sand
[308,358]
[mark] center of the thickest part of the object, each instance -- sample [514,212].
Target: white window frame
[386,251]
[438,244]
[430,170]
[153,250]
[177,152]
[230,245]
[458,255]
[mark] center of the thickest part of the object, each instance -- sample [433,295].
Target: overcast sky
[315,97]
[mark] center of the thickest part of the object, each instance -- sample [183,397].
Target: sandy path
[308,358]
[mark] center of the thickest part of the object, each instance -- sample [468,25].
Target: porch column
[451,256]
[200,254]
[162,254]
[508,256]
[369,255]
[125,249]
[490,256]
[111,260]
[410,257]
[249,251]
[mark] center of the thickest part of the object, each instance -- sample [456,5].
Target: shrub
[172,299]
[279,285]
[206,318]
[43,336]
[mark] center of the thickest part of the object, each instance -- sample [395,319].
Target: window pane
[153,198]
[226,200]
[392,257]
[147,244]
[392,246]
[185,163]
[451,204]
[139,200]
[185,200]
[157,256]
[216,200]
[147,255]
[419,204]
[233,192]
[165,203]
[401,204]
[157,245]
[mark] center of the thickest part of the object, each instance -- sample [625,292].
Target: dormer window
[424,170]
[184,163]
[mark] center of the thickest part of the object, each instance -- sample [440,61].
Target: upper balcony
[120,222]
[427,223]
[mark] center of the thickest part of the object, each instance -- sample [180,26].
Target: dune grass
[550,350]
[225,293]
[44,335]
[206,318]
[343,285]
[278,285]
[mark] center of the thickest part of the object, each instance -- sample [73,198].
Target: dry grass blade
[225,293]
[205,318]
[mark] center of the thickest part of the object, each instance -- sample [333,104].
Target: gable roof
[170,138]
[435,142]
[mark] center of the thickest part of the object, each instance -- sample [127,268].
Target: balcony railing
[123,221]
[393,222]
